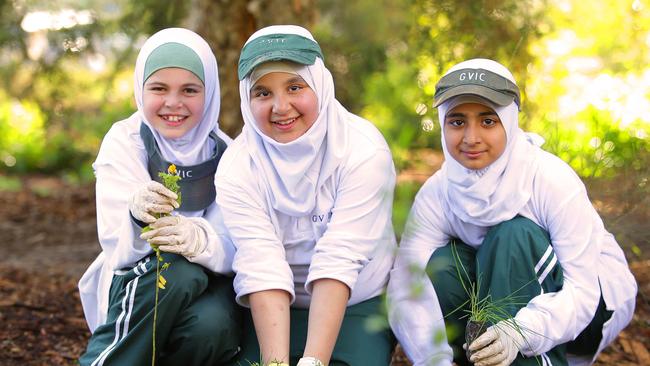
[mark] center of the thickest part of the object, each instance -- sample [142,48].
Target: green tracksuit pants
[514,264]
[198,322]
[356,345]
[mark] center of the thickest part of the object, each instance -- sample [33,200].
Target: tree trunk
[226,25]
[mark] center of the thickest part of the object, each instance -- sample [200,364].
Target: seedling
[485,311]
[170,181]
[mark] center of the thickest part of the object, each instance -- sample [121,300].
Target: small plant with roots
[484,311]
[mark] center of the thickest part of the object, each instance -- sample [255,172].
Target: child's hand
[152,199]
[498,346]
[177,234]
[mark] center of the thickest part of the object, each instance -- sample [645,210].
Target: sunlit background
[583,67]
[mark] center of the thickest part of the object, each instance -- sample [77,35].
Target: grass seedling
[260,363]
[484,311]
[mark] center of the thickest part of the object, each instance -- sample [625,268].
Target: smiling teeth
[284,123]
[173,118]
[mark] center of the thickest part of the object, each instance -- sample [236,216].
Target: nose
[471,135]
[173,100]
[281,104]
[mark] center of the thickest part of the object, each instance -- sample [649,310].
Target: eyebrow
[154,82]
[459,114]
[296,79]
[257,87]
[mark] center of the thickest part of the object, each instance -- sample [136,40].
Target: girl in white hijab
[177,94]
[519,221]
[306,191]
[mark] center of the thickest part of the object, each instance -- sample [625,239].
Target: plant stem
[155,307]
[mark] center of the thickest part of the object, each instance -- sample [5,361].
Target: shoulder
[366,144]
[555,185]
[555,174]
[430,195]
[122,141]
[236,167]
[364,134]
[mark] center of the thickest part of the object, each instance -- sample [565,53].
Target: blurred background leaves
[583,68]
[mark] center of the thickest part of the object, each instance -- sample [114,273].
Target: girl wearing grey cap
[519,221]
[306,193]
[177,94]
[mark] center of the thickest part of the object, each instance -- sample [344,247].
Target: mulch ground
[49,231]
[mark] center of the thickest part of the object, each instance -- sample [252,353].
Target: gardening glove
[498,346]
[152,199]
[177,234]
[309,361]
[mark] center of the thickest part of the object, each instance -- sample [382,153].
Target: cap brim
[493,96]
[278,55]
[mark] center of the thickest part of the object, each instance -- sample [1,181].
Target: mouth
[284,124]
[473,154]
[173,120]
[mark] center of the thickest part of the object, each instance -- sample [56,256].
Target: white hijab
[295,171]
[196,146]
[498,192]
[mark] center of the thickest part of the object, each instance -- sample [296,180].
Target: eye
[156,88]
[455,122]
[489,122]
[295,88]
[260,93]
[191,90]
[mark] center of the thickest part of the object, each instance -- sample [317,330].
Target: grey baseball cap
[496,88]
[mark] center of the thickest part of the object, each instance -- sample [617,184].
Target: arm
[359,233]
[120,170]
[561,206]
[576,234]
[259,262]
[270,311]
[328,303]
[220,251]
[358,236]
[263,278]
[414,312]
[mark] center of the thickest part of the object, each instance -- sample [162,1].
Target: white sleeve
[119,170]
[259,262]
[360,217]
[413,309]
[576,233]
[219,253]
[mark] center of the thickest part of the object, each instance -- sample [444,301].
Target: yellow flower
[171,169]
[161,282]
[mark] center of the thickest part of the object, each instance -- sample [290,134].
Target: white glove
[151,199]
[498,346]
[177,234]
[309,361]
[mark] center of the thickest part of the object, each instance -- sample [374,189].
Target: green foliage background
[583,68]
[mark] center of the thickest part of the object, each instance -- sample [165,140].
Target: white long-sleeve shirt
[588,254]
[348,236]
[120,170]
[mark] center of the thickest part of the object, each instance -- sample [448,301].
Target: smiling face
[173,100]
[284,106]
[474,135]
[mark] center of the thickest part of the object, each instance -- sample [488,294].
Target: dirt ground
[50,237]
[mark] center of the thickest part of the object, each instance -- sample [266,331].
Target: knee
[448,270]
[215,326]
[182,275]
[515,235]
[441,268]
